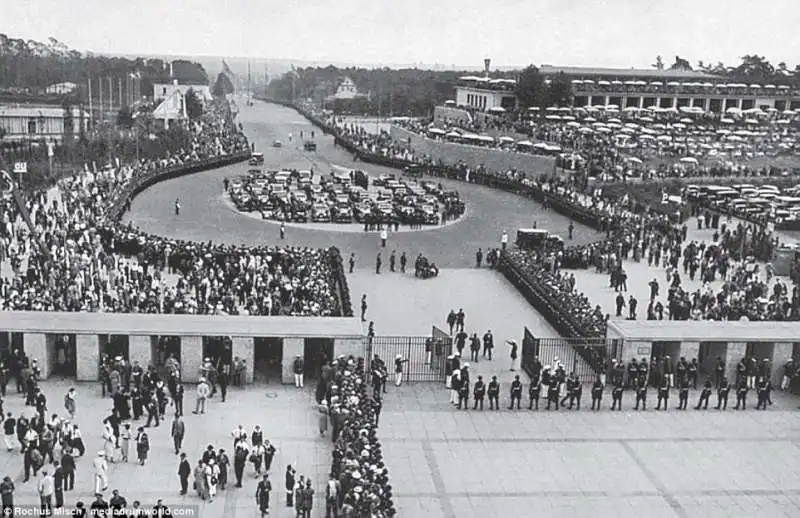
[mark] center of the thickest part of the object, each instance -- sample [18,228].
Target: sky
[610,33]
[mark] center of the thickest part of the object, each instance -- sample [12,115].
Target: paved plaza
[449,463]
[287,416]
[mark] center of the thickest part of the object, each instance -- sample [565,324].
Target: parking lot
[342,196]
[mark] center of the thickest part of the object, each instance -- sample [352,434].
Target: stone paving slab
[663,464]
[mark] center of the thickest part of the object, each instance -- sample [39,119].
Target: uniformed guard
[663,394]
[722,393]
[741,393]
[494,394]
[762,394]
[683,393]
[644,370]
[616,395]
[633,374]
[552,394]
[597,393]
[572,383]
[691,372]
[705,395]
[641,394]
[534,392]
[516,392]
[719,371]
[463,395]
[478,392]
[578,393]
[680,373]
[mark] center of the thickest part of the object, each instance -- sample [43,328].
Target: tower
[487,63]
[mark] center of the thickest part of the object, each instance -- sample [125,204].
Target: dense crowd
[632,234]
[83,259]
[358,470]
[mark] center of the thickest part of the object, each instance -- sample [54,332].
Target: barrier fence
[586,357]
[424,357]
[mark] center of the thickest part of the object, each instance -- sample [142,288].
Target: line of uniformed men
[460,390]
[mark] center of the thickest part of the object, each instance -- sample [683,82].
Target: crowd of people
[632,234]
[83,259]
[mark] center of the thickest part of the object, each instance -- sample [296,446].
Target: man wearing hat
[203,391]
[513,354]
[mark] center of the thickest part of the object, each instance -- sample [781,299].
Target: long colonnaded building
[636,88]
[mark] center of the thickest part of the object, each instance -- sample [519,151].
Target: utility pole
[91,113]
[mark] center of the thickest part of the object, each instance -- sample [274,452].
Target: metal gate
[421,363]
[586,357]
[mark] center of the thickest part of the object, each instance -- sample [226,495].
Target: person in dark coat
[184,471]
[262,495]
[289,485]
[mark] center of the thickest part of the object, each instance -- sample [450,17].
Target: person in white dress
[100,469]
[212,478]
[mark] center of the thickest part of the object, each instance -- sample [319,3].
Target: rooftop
[703,331]
[34,111]
[177,325]
[626,72]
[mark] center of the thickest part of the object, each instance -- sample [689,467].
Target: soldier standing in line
[663,394]
[643,370]
[552,394]
[578,393]
[691,372]
[741,393]
[494,394]
[570,395]
[392,260]
[478,392]
[352,262]
[516,392]
[633,373]
[463,394]
[378,263]
[683,393]
[719,372]
[403,262]
[616,395]
[597,393]
[704,395]
[641,394]
[534,392]
[763,394]
[723,388]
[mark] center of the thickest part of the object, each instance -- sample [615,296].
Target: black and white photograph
[450,259]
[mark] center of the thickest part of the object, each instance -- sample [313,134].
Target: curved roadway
[207,216]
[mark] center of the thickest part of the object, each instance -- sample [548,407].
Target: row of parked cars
[767,202]
[303,196]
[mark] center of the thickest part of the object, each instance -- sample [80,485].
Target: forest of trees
[28,67]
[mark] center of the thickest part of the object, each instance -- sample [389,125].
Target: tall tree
[222,86]
[681,64]
[755,67]
[194,106]
[531,90]
[559,91]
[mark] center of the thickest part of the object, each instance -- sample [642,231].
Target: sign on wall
[20,167]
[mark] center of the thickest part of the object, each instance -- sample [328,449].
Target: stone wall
[474,156]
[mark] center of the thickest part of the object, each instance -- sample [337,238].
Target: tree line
[28,67]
